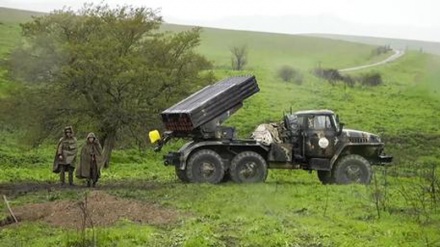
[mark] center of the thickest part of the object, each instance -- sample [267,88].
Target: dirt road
[397,54]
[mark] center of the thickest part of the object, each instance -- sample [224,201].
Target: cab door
[320,136]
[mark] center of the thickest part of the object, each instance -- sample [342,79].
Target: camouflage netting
[267,134]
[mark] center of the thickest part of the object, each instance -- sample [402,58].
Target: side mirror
[341,127]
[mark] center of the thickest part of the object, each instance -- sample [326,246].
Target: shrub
[349,81]
[333,75]
[328,74]
[381,50]
[371,79]
[288,73]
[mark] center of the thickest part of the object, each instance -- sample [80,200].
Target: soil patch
[24,187]
[97,209]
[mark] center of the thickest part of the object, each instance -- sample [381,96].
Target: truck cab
[320,141]
[312,133]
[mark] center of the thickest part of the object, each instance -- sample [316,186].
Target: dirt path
[18,189]
[99,208]
[96,208]
[397,54]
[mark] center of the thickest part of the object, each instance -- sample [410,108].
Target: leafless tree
[239,57]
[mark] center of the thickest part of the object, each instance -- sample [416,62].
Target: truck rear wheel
[352,168]
[181,174]
[205,166]
[248,167]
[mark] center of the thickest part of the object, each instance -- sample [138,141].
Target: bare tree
[239,57]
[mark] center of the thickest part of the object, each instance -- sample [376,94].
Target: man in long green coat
[65,157]
[91,161]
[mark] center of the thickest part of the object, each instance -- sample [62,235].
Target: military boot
[70,178]
[62,176]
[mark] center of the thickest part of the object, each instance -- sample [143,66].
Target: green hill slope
[15,16]
[271,51]
[292,208]
[266,51]
[426,46]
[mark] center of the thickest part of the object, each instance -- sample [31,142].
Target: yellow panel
[154,136]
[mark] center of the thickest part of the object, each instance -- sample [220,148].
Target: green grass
[292,208]
[402,44]
[15,16]
[298,51]
[10,35]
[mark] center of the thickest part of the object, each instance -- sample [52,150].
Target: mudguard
[341,149]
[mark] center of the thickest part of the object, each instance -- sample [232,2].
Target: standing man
[91,161]
[65,158]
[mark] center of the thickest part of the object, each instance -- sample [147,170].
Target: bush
[333,75]
[381,50]
[349,81]
[371,79]
[288,73]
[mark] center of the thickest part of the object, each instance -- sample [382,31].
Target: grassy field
[10,36]
[298,51]
[416,45]
[292,208]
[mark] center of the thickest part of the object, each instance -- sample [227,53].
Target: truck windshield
[319,122]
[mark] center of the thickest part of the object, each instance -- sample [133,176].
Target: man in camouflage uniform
[65,158]
[90,161]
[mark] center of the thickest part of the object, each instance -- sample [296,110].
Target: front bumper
[384,159]
[172,159]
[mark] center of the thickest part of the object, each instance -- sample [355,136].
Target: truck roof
[318,112]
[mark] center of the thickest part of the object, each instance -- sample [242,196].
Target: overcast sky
[411,19]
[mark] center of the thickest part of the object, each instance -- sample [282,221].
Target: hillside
[139,202]
[402,44]
[15,16]
[295,50]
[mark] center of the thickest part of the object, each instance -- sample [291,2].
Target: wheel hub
[353,173]
[207,169]
[248,170]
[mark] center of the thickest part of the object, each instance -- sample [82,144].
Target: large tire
[205,166]
[248,167]
[352,168]
[325,177]
[181,174]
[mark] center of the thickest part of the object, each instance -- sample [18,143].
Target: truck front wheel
[181,174]
[352,168]
[248,167]
[205,166]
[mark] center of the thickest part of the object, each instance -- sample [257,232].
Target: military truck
[312,140]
